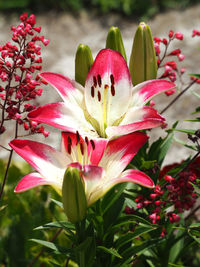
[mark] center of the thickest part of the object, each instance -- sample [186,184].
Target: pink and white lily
[101,162]
[108,106]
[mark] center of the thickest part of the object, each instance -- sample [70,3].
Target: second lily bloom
[101,163]
[108,105]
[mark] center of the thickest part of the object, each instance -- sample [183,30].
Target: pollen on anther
[82,148]
[99,96]
[112,90]
[69,140]
[92,144]
[112,79]
[99,80]
[95,81]
[86,140]
[69,148]
[77,137]
[92,91]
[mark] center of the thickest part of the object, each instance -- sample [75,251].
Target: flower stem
[6,174]
[8,164]
[177,97]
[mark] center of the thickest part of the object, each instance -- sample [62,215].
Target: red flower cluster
[169,68]
[174,194]
[18,65]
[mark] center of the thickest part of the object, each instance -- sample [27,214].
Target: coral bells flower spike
[108,105]
[101,162]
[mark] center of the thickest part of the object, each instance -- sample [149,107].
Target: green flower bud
[143,64]
[73,195]
[83,63]
[114,41]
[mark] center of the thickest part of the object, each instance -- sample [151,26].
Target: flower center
[81,152]
[103,93]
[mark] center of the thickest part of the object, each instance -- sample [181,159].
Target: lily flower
[100,162]
[108,106]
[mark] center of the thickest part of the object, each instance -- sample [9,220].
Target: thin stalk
[8,164]
[177,97]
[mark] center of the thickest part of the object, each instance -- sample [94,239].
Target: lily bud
[114,41]
[83,63]
[73,195]
[143,64]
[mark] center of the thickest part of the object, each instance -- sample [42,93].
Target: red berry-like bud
[171,34]
[179,36]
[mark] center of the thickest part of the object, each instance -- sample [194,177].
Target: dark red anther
[92,91]
[69,140]
[106,86]
[112,90]
[69,148]
[77,137]
[99,80]
[86,140]
[82,148]
[95,81]
[112,79]
[99,96]
[92,144]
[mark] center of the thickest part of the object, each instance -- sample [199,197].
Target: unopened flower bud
[114,41]
[143,64]
[83,63]
[73,195]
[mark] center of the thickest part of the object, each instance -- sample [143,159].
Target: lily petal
[62,116]
[133,176]
[144,92]
[65,87]
[120,151]
[49,162]
[108,84]
[33,180]
[138,118]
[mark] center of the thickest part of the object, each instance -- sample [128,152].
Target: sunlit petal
[143,92]
[138,118]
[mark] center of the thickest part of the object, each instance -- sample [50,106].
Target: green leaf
[61,224]
[187,131]
[195,225]
[111,251]
[112,196]
[133,250]
[185,144]
[130,236]
[196,75]
[195,120]
[58,203]
[147,164]
[127,219]
[50,245]
[177,247]
[197,95]
[159,148]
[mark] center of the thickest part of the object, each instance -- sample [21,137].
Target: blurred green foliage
[20,214]
[126,7]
